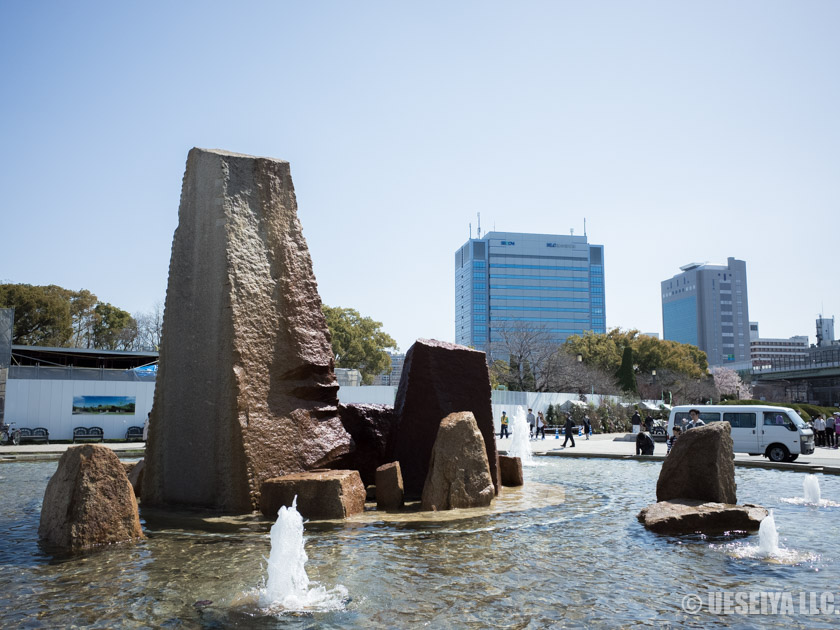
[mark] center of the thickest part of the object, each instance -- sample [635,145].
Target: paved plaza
[609,445]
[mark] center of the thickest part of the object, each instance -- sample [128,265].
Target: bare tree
[149,328]
[529,350]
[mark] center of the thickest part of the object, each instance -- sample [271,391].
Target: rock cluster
[459,473]
[245,388]
[438,379]
[696,487]
[89,502]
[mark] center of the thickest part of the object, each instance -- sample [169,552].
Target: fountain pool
[585,562]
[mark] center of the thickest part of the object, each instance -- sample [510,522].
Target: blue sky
[682,132]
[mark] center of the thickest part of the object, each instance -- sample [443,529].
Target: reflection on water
[583,561]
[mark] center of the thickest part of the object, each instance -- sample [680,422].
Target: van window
[778,418]
[740,420]
[681,418]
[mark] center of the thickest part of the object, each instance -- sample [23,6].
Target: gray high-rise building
[543,282]
[706,306]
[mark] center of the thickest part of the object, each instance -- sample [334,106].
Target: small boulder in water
[690,516]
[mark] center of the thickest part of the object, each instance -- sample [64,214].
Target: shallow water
[585,562]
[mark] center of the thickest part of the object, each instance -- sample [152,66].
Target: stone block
[389,487]
[438,379]
[701,465]
[245,389]
[325,494]
[459,473]
[510,469]
[88,502]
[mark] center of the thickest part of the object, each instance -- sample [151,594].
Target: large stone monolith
[700,466]
[439,378]
[245,388]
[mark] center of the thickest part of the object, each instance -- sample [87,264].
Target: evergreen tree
[626,375]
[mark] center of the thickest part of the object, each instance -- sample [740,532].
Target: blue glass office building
[706,306]
[544,282]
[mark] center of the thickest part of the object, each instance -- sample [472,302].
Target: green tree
[605,351]
[358,342]
[42,314]
[113,328]
[626,374]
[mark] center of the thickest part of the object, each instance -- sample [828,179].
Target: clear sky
[681,131]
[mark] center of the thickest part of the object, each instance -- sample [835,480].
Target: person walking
[636,421]
[830,431]
[569,427]
[540,424]
[505,426]
[648,423]
[532,421]
[587,426]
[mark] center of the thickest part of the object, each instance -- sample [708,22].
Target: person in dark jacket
[636,421]
[644,444]
[569,427]
[648,423]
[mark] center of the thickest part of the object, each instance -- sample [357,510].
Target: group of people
[825,430]
[645,443]
[537,425]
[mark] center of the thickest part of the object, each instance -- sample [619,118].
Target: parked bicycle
[8,434]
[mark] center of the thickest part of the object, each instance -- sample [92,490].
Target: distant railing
[51,373]
[821,358]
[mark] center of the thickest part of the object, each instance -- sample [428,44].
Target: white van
[778,433]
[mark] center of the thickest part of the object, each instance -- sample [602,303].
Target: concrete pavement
[621,446]
[609,445]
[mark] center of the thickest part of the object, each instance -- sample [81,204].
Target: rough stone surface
[370,428]
[688,516]
[135,477]
[89,502]
[510,470]
[389,487]
[701,466]
[459,473]
[245,389]
[438,379]
[323,494]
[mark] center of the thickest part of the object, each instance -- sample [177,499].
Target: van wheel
[792,458]
[777,453]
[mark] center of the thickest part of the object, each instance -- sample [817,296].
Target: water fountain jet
[288,588]
[520,439]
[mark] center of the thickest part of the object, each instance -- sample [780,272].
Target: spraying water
[811,489]
[768,537]
[812,495]
[520,441]
[287,587]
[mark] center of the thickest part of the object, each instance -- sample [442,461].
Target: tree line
[57,317]
[524,357]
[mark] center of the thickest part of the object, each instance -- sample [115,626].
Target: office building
[767,353]
[825,332]
[541,282]
[706,306]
